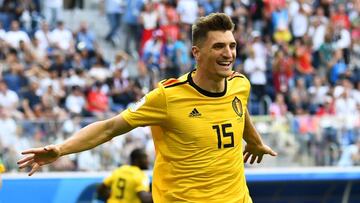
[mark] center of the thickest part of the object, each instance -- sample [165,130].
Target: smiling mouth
[224,63]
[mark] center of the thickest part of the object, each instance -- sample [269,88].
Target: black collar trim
[205,92]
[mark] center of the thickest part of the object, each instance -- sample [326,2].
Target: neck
[209,82]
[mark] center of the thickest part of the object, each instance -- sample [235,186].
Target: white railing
[300,141]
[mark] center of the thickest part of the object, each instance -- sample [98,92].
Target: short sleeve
[149,110]
[142,183]
[108,180]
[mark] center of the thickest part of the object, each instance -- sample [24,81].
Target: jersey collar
[205,92]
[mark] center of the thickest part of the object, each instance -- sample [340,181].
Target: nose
[227,52]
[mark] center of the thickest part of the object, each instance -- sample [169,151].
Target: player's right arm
[145,197]
[86,138]
[150,110]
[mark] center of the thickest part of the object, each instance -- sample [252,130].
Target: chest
[209,123]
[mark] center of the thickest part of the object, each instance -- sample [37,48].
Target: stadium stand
[55,68]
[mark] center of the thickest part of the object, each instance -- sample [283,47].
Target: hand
[256,152]
[37,157]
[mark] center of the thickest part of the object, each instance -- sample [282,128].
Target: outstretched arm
[254,144]
[86,138]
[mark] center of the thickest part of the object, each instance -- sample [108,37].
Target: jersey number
[223,133]
[120,184]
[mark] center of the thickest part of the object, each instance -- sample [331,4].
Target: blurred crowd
[302,58]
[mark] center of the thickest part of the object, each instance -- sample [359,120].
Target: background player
[128,183]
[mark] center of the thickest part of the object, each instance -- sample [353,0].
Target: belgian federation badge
[237,106]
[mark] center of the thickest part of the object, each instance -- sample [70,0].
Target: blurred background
[67,63]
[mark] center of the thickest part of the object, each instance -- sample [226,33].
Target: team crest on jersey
[237,106]
[137,105]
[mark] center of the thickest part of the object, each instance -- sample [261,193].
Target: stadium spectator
[97,101]
[278,108]
[154,56]
[89,161]
[283,71]
[37,52]
[169,19]
[149,21]
[317,32]
[337,66]
[299,98]
[8,137]
[31,103]
[255,69]
[77,77]
[171,67]
[43,35]
[300,21]
[15,35]
[326,51]
[99,68]
[303,61]
[75,102]
[121,62]
[182,58]
[350,155]
[346,109]
[188,13]
[53,11]
[342,40]
[85,39]
[132,29]
[317,92]
[62,38]
[122,91]
[114,10]
[14,77]
[10,101]
[214,49]
[128,183]
[50,104]
[340,16]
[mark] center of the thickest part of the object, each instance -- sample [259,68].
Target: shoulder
[236,75]
[173,82]
[237,79]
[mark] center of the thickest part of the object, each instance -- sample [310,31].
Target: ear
[196,52]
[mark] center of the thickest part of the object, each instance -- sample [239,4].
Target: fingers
[272,153]
[26,164]
[34,150]
[25,159]
[35,167]
[257,158]
[246,156]
[253,158]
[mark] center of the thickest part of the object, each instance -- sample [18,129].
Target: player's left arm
[145,197]
[255,147]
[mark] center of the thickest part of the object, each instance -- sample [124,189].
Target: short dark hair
[137,154]
[212,22]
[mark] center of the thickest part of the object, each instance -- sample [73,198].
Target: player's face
[217,54]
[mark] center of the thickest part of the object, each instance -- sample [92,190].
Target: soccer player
[128,183]
[199,121]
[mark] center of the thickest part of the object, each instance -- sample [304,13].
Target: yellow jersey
[125,182]
[198,140]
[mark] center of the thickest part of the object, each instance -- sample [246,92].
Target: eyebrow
[223,43]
